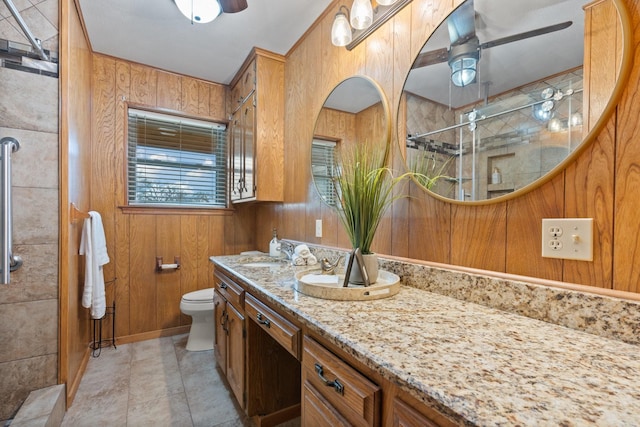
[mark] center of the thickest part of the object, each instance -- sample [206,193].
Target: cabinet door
[220,339]
[317,412]
[237,158]
[235,353]
[249,151]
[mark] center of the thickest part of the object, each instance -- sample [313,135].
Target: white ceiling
[155,33]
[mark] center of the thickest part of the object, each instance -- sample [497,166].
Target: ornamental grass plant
[365,188]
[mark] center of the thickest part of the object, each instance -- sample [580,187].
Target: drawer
[229,289]
[353,395]
[284,332]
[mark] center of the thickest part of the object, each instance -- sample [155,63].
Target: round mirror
[355,112]
[505,93]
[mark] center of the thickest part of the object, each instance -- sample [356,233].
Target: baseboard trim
[127,339]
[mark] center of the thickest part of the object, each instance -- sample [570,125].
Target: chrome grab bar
[8,261]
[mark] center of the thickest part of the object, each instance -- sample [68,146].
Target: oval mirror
[496,101]
[355,112]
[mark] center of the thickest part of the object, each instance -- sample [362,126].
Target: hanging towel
[93,246]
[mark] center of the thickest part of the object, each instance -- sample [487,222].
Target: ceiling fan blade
[462,23]
[431,57]
[526,35]
[233,6]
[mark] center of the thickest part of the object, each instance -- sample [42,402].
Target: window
[176,161]
[323,167]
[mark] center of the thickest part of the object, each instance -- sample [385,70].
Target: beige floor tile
[165,411]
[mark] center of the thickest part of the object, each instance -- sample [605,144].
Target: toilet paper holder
[162,267]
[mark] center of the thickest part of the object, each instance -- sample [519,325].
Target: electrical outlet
[318,228]
[568,238]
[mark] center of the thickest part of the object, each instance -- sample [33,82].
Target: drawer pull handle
[263,320]
[223,285]
[335,383]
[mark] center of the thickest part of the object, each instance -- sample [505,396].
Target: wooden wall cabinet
[257,129]
[229,342]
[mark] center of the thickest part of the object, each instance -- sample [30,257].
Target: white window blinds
[176,161]
[323,167]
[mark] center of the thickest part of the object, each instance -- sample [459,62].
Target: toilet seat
[203,296]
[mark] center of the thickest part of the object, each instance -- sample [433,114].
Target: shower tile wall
[29,305]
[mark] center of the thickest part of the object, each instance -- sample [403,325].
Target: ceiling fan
[464,51]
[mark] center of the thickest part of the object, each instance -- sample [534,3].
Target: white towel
[298,260]
[302,251]
[311,260]
[93,246]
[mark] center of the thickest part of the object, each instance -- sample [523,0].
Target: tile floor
[153,383]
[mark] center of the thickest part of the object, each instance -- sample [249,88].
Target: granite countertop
[487,366]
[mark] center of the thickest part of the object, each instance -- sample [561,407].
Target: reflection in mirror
[355,112]
[494,100]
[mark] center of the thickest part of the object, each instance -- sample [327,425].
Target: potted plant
[364,186]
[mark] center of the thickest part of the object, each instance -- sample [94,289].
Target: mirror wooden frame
[623,76]
[386,133]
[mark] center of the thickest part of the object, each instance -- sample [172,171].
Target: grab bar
[8,262]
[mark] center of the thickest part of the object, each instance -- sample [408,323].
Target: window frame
[172,208]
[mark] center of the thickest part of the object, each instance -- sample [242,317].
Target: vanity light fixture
[463,61]
[200,11]
[364,19]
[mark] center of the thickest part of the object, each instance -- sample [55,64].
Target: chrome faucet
[287,248]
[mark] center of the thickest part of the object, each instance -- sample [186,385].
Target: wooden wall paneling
[203,99]
[121,261]
[228,235]
[626,268]
[478,236]
[169,93]
[74,164]
[144,82]
[429,226]
[122,284]
[218,101]
[191,240]
[142,275]
[217,231]
[524,230]
[190,97]
[204,251]
[244,222]
[402,61]
[268,217]
[426,15]
[168,230]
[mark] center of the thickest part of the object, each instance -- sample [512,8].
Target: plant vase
[371,265]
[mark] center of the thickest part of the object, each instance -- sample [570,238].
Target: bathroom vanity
[422,358]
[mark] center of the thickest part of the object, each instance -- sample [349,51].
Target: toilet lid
[203,295]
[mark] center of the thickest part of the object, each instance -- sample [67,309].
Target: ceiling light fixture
[350,28]
[463,61]
[200,11]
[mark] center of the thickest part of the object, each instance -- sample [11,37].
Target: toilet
[199,305]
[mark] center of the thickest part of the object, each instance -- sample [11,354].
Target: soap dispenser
[274,245]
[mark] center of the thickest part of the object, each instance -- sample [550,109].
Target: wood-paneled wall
[504,237]
[75,134]
[147,302]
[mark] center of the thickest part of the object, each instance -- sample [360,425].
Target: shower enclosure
[495,147]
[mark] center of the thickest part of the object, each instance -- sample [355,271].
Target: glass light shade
[200,11]
[463,71]
[386,2]
[361,14]
[341,30]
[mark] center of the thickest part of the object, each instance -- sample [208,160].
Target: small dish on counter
[315,284]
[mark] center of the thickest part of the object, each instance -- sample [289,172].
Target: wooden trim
[256,51]
[72,387]
[82,24]
[277,417]
[161,210]
[128,339]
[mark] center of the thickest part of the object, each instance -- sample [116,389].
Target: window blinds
[175,161]
[323,166]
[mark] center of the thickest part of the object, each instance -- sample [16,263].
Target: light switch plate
[318,228]
[568,238]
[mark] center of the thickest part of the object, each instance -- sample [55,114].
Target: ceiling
[155,33]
